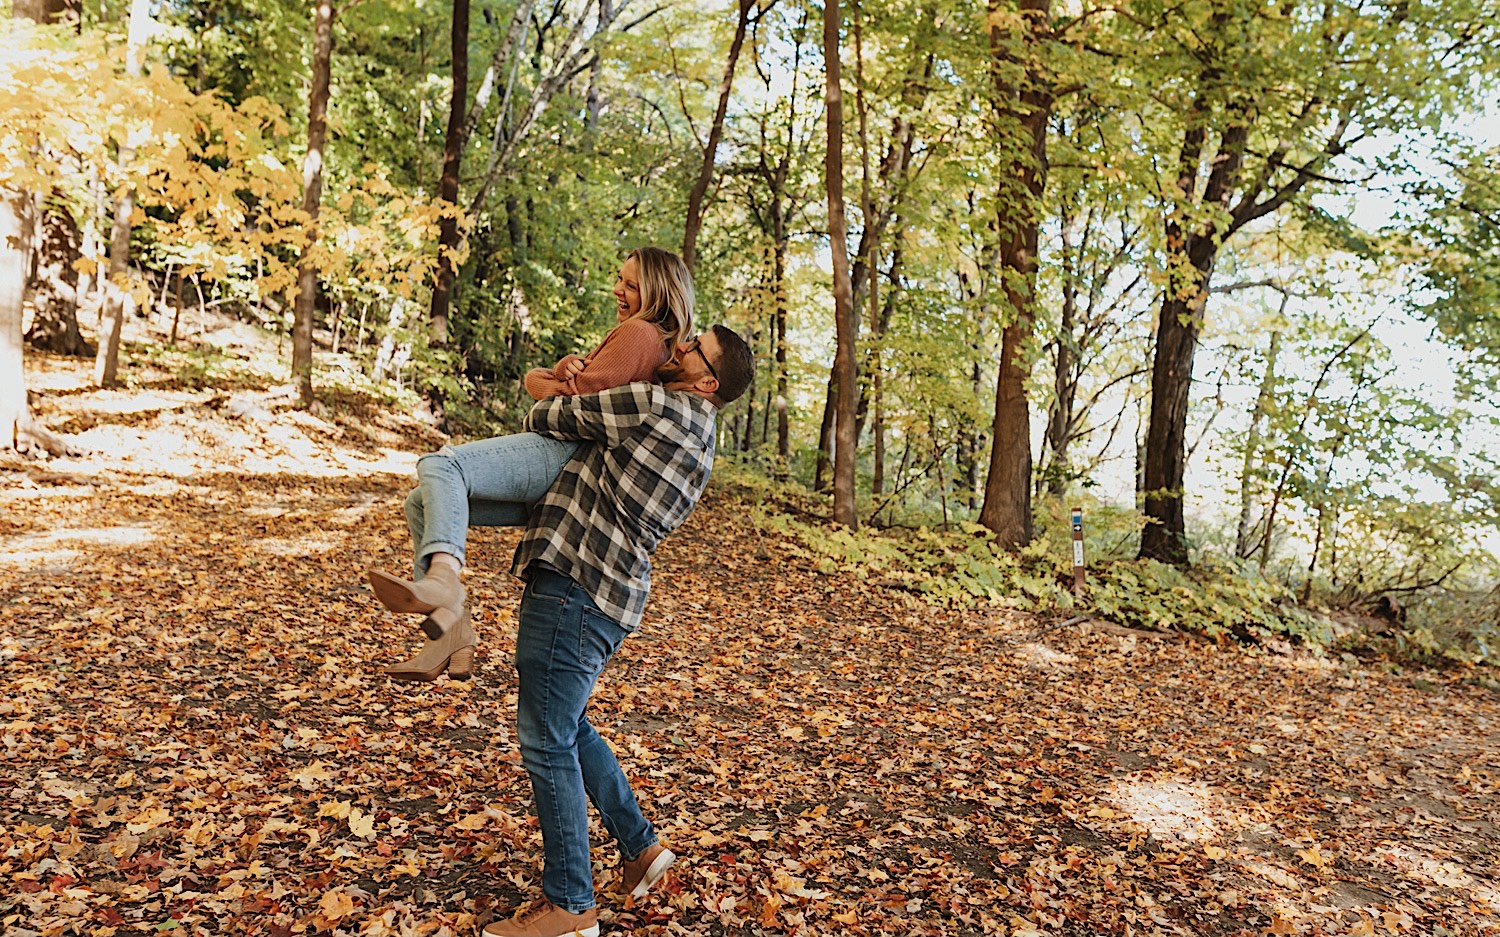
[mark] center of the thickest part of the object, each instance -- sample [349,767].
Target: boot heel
[441,621]
[461,664]
[453,652]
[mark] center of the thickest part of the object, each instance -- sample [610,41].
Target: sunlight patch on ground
[1042,657]
[56,548]
[49,491]
[179,447]
[1274,874]
[355,514]
[33,558]
[1167,809]
[302,546]
[270,509]
[1441,872]
[115,403]
[154,488]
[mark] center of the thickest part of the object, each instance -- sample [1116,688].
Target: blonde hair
[667,297]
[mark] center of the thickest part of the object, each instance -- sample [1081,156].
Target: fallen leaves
[197,738]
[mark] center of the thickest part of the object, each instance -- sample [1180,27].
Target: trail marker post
[1077,551]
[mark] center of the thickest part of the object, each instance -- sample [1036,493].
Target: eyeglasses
[698,347]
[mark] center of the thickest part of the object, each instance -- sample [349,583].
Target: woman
[494,482]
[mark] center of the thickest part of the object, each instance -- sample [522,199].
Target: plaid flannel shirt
[645,460]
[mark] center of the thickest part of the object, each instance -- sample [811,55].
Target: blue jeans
[563,642]
[489,483]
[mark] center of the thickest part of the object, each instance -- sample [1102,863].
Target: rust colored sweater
[631,352]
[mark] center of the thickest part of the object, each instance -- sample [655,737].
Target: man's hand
[568,368]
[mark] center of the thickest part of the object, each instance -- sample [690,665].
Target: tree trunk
[1164,537]
[823,468]
[54,287]
[1024,114]
[107,358]
[453,151]
[43,11]
[312,196]
[1328,514]
[1244,540]
[15,241]
[843,288]
[783,426]
[710,151]
[17,431]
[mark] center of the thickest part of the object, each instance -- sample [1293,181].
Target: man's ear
[708,384]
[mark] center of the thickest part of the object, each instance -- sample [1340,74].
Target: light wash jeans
[563,642]
[489,483]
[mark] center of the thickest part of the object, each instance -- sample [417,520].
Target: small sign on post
[1078,551]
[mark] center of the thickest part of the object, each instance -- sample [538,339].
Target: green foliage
[963,567]
[1455,248]
[1220,600]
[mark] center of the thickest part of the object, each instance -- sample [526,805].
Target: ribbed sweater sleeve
[631,352]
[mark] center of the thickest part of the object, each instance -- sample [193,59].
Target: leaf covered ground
[195,735]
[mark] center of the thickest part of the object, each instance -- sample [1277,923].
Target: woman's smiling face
[628,290]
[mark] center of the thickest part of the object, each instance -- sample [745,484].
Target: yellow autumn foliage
[218,186]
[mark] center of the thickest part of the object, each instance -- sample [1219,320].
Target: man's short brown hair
[735,364]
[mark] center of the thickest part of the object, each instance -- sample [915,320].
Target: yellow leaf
[338,809]
[361,824]
[472,822]
[335,905]
[709,839]
[311,776]
[148,819]
[1214,852]
[850,917]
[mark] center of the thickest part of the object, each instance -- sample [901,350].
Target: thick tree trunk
[453,151]
[312,196]
[15,248]
[54,287]
[1024,114]
[1164,537]
[843,289]
[17,432]
[1007,490]
[694,219]
[43,11]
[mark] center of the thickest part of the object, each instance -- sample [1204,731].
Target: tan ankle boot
[453,651]
[439,595]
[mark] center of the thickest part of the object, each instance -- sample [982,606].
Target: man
[586,559]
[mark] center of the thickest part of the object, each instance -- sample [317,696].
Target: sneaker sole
[654,872]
